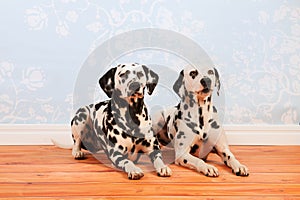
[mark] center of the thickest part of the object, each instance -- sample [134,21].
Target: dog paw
[210,171]
[241,171]
[164,171]
[135,174]
[79,155]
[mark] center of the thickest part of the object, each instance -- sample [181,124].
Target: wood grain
[47,172]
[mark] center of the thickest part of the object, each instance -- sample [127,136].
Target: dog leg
[192,162]
[228,158]
[76,150]
[156,158]
[122,162]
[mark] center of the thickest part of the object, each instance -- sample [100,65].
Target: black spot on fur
[201,121]
[116,132]
[194,149]
[181,133]
[111,152]
[193,74]
[185,106]
[184,161]
[98,105]
[209,99]
[168,119]
[204,135]
[146,143]
[200,111]
[80,110]
[171,136]
[179,114]
[132,149]
[215,125]
[82,116]
[112,139]
[187,119]
[189,114]
[191,99]
[140,151]
[124,135]
[109,126]
[175,127]
[214,109]
[140,140]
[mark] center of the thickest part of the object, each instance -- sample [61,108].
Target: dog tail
[60,145]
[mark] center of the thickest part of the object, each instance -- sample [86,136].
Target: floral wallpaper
[255,45]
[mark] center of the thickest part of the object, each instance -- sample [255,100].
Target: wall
[254,44]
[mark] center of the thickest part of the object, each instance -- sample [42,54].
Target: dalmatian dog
[192,127]
[121,126]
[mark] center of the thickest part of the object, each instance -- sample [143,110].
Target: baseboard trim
[41,134]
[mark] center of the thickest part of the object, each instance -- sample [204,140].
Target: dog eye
[140,74]
[210,72]
[122,75]
[194,73]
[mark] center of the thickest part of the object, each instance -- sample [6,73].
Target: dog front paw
[241,170]
[79,155]
[210,171]
[164,171]
[135,174]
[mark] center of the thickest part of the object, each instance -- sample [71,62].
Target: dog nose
[205,82]
[135,86]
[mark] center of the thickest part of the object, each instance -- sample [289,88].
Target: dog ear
[152,79]
[107,82]
[217,81]
[178,84]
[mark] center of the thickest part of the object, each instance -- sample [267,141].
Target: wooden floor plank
[252,197]
[47,172]
[98,167]
[138,189]
[118,177]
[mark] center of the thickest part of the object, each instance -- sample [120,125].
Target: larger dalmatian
[120,126]
[193,126]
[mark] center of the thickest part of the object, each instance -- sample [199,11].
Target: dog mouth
[204,91]
[137,95]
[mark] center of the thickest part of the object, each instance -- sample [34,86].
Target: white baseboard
[38,134]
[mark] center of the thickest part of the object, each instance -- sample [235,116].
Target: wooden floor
[38,172]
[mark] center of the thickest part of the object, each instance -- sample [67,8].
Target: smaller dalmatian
[121,126]
[193,127]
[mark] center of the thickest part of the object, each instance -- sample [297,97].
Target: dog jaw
[202,96]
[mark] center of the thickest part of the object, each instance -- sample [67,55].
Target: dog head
[128,81]
[192,81]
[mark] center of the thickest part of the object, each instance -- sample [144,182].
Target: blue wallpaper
[254,44]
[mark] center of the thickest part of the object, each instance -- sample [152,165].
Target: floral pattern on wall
[254,44]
